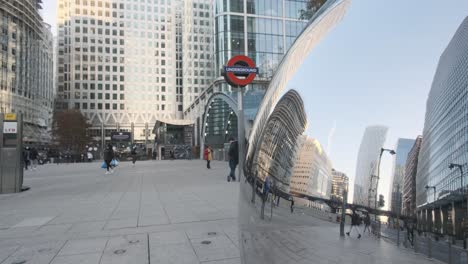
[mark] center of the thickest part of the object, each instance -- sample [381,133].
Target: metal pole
[343,213]
[377,182]
[240,130]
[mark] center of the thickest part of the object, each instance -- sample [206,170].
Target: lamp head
[427,187]
[392,152]
[451,166]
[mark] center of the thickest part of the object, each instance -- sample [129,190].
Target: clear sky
[375,67]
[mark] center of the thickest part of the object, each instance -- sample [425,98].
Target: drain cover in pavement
[19,262]
[212,233]
[133,241]
[42,250]
[206,242]
[120,251]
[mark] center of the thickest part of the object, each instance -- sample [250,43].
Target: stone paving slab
[156,212]
[146,214]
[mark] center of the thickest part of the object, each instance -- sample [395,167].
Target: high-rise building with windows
[409,181]
[445,134]
[198,48]
[340,184]
[261,29]
[26,71]
[312,171]
[117,63]
[365,182]
[403,147]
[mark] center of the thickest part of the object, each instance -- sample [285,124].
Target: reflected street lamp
[432,187]
[460,167]
[382,150]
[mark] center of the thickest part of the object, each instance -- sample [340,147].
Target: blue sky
[375,67]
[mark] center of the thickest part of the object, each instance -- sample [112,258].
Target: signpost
[239,72]
[11,149]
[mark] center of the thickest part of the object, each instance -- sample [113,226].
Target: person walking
[26,157]
[108,157]
[90,156]
[34,156]
[265,193]
[208,156]
[233,155]
[367,223]
[134,155]
[355,222]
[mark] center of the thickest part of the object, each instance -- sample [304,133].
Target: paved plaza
[155,212]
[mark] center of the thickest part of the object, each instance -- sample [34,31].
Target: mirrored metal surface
[291,193]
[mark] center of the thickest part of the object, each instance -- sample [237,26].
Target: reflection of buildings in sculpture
[367,162]
[26,75]
[279,144]
[403,147]
[409,181]
[340,183]
[312,171]
[445,134]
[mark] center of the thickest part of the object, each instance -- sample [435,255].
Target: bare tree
[70,130]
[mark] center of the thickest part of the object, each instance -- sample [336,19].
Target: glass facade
[403,147]
[263,30]
[409,183]
[366,167]
[26,71]
[445,134]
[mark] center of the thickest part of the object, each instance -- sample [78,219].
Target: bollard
[449,252]
[429,248]
[398,236]
[415,243]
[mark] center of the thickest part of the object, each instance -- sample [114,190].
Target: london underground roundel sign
[240,71]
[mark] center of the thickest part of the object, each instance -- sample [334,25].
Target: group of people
[233,157]
[30,157]
[109,158]
[356,221]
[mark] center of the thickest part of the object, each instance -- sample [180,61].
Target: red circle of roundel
[233,78]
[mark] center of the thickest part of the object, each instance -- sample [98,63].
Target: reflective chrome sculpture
[284,166]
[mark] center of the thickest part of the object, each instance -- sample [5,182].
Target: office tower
[367,162]
[117,63]
[409,182]
[312,171]
[403,147]
[340,184]
[26,73]
[198,49]
[445,134]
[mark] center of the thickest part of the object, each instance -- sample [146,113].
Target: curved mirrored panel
[328,173]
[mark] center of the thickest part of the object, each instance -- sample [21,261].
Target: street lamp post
[382,150]
[460,167]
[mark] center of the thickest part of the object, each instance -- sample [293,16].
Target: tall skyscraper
[117,62]
[312,171]
[198,48]
[409,182]
[445,134]
[366,167]
[403,147]
[26,73]
[261,29]
[340,183]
